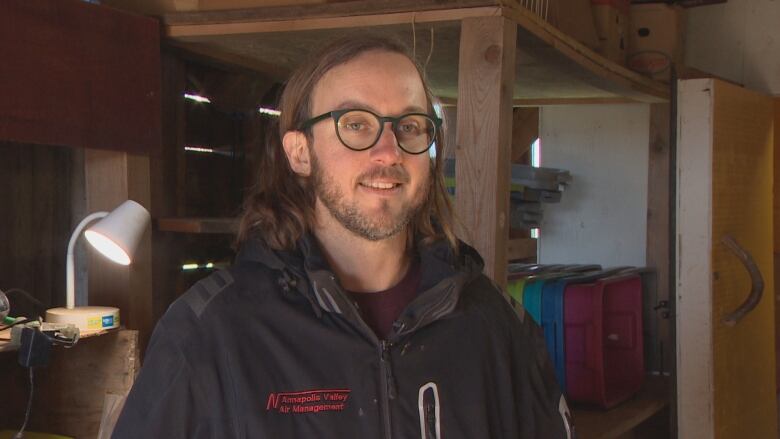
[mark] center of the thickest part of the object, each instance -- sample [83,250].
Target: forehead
[385,82]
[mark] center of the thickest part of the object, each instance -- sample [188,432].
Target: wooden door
[725,369]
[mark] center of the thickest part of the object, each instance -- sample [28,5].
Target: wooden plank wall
[111,178]
[167,184]
[36,198]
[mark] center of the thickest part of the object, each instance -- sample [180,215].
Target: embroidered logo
[308,401]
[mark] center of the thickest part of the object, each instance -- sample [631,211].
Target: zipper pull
[430,419]
[398,326]
[390,378]
[428,405]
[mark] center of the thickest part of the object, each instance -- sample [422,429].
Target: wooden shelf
[5,340]
[225,226]
[607,424]
[550,66]
[5,335]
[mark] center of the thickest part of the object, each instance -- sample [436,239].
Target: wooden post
[485,84]
[658,230]
[167,182]
[525,129]
[111,178]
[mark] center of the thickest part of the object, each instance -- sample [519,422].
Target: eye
[354,126]
[409,126]
[356,122]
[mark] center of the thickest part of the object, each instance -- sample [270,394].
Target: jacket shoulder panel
[485,296]
[204,291]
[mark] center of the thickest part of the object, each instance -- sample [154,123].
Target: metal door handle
[757,281]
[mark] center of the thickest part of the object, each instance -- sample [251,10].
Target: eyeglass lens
[361,129]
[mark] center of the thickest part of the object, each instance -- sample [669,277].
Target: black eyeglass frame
[336,115]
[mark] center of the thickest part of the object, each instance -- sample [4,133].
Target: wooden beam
[224,226]
[321,10]
[555,65]
[111,178]
[610,76]
[659,231]
[485,82]
[524,102]
[446,101]
[525,129]
[528,102]
[570,101]
[521,248]
[225,60]
[262,25]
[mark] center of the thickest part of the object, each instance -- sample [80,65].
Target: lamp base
[86,318]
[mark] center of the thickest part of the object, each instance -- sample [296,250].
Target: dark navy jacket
[274,348]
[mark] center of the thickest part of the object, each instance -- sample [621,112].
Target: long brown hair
[280,208]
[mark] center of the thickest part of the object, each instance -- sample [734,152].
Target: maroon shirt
[382,308]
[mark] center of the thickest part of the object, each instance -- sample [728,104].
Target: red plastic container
[603,340]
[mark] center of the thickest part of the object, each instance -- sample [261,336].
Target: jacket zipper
[386,379]
[388,390]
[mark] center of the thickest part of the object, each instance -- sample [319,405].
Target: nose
[386,149]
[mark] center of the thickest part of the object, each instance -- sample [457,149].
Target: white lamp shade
[117,235]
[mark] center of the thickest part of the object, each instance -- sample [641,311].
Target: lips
[384,178]
[380,185]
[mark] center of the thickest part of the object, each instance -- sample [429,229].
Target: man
[352,311]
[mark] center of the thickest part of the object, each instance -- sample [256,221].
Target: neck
[359,264]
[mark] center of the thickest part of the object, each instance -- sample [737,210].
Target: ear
[296,147]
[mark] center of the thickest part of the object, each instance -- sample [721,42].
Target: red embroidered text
[310,401]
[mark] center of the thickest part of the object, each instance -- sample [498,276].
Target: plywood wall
[79,74]
[602,216]
[738,40]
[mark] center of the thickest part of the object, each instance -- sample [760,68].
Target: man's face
[376,192]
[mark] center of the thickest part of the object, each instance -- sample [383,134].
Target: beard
[375,227]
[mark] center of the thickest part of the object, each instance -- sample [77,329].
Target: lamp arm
[70,271]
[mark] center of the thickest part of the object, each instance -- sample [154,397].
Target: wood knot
[493,54]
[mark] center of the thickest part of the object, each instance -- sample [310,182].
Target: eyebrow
[363,106]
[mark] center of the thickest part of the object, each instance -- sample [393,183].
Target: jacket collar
[443,276]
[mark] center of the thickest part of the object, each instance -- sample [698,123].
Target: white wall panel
[738,40]
[602,217]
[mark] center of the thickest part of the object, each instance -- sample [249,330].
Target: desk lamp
[115,236]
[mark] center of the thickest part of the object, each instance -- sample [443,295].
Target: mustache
[394,172]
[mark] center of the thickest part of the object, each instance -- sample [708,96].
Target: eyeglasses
[359,130]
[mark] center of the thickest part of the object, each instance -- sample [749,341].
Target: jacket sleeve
[544,410]
[162,402]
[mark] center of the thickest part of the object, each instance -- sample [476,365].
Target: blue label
[108,321]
